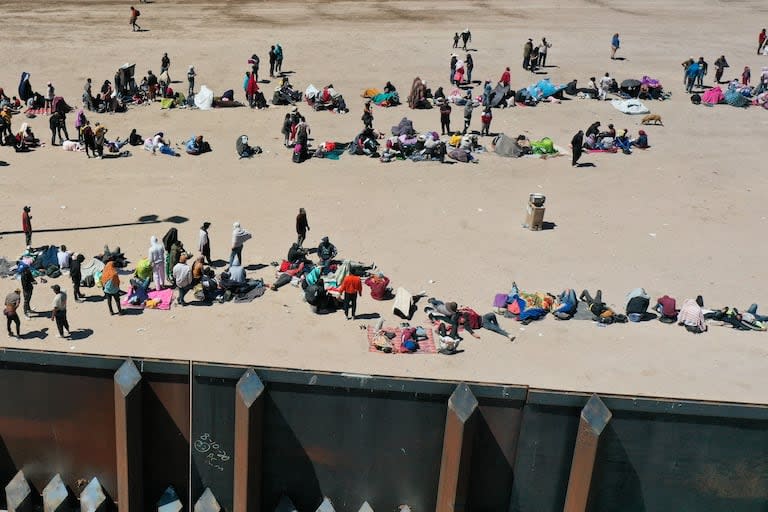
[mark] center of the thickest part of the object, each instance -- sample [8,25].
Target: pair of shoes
[181,303]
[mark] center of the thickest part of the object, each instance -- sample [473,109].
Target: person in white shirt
[182,274]
[59,310]
[156,256]
[605,86]
[64,257]
[204,243]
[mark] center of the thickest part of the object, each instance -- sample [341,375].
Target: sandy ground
[683,218]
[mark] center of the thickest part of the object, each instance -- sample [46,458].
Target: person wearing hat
[239,237]
[527,50]
[182,275]
[326,251]
[204,242]
[12,302]
[26,225]
[59,310]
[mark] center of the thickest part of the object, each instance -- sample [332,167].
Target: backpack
[696,99]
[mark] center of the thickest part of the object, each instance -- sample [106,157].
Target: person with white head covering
[239,237]
[156,256]
[466,37]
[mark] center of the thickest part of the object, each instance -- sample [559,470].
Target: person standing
[455,39]
[50,93]
[367,117]
[703,68]
[134,17]
[55,122]
[165,64]
[761,37]
[204,243]
[468,112]
[278,58]
[88,95]
[76,275]
[690,76]
[239,237]
[469,64]
[26,225]
[272,61]
[182,274]
[27,287]
[254,62]
[543,47]
[746,76]
[156,256]
[12,302]
[506,77]
[486,119]
[454,60]
[89,139]
[191,79]
[615,45]
[466,38]
[351,287]
[445,116]
[527,50]
[302,226]
[576,144]
[720,65]
[110,283]
[59,312]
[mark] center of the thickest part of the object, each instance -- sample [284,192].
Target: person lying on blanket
[450,312]
[600,311]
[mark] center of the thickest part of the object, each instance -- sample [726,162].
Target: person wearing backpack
[134,16]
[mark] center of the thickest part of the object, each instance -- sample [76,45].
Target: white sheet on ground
[204,98]
[631,106]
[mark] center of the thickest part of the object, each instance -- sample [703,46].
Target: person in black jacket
[27,283]
[576,144]
[302,226]
[76,275]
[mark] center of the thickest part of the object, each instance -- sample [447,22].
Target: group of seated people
[610,139]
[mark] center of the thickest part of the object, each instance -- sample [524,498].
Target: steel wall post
[594,418]
[249,415]
[457,450]
[128,427]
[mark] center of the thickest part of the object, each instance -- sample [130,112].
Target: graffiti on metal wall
[215,455]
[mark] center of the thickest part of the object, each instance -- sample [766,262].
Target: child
[486,120]
[456,40]
[746,76]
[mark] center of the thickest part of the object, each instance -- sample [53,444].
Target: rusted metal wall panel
[166,435]
[57,420]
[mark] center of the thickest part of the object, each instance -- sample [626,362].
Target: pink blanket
[165,296]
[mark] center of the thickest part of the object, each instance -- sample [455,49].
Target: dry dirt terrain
[686,217]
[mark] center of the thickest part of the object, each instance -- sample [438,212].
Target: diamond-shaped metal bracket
[56,496]
[169,501]
[207,502]
[249,387]
[92,498]
[326,506]
[365,508]
[127,376]
[18,493]
[463,402]
[596,414]
[285,505]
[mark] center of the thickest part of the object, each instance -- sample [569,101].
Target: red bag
[284,265]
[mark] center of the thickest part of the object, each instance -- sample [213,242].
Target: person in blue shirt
[614,45]
[690,76]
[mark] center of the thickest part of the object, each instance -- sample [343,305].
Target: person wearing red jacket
[505,77]
[26,225]
[351,287]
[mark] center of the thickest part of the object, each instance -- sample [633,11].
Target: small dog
[652,118]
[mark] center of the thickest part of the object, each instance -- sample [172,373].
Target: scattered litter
[480,209]
[140,329]
[431,281]
[522,328]
[63,207]
[652,234]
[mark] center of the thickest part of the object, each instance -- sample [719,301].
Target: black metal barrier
[138,433]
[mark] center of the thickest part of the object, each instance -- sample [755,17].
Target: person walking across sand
[302,226]
[12,302]
[59,310]
[761,38]
[615,45]
[576,144]
[239,237]
[204,243]
[135,16]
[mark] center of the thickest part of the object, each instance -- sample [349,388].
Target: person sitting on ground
[134,139]
[319,300]
[638,301]
[610,133]
[379,285]
[666,307]
[691,316]
[296,254]
[641,141]
[29,137]
[197,146]
[448,312]
[244,150]
[622,142]
[594,129]
[326,252]
[139,291]
[389,88]
[64,257]
[601,313]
